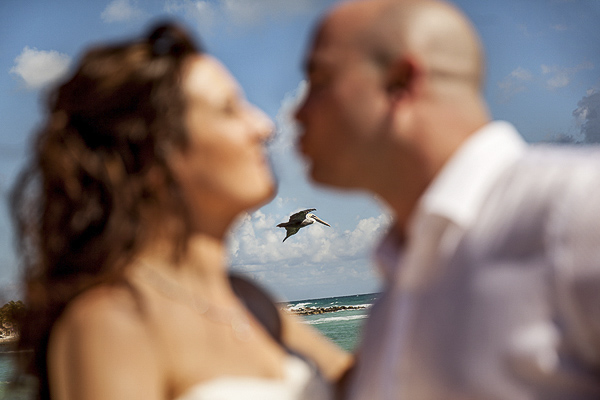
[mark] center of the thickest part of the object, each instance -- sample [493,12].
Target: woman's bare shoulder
[106,320]
[100,338]
[102,310]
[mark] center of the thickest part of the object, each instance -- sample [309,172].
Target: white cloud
[239,12]
[242,11]
[39,68]
[316,254]
[559,77]
[121,11]
[521,74]
[514,83]
[287,130]
[253,12]
[258,240]
[552,77]
[588,116]
[201,12]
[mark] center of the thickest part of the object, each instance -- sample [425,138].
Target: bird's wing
[300,215]
[289,231]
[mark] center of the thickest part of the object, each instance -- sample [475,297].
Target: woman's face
[224,169]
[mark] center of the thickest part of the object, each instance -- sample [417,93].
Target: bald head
[433,32]
[394,86]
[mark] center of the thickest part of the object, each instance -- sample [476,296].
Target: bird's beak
[320,220]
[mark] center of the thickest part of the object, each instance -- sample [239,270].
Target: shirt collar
[460,188]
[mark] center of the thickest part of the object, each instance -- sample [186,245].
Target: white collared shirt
[456,194]
[495,293]
[453,199]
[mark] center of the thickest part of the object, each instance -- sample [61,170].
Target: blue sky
[542,75]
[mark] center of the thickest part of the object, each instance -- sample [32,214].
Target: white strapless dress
[300,382]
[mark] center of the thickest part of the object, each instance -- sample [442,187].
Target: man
[492,267]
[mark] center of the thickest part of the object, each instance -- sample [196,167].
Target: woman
[148,155]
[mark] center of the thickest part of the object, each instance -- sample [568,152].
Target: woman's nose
[262,124]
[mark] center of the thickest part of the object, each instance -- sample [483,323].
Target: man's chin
[324,176]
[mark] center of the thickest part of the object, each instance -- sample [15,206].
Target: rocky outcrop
[322,310]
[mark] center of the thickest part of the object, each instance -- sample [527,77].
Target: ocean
[342,326]
[23,391]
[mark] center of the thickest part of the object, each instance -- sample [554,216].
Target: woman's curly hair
[98,186]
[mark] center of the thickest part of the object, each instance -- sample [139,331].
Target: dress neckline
[296,371]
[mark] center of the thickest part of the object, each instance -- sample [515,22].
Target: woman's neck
[202,268]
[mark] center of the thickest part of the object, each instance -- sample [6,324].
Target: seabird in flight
[300,220]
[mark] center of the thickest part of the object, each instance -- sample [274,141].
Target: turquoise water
[7,375]
[5,364]
[5,369]
[343,327]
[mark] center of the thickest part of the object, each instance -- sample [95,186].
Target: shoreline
[321,310]
[292,310]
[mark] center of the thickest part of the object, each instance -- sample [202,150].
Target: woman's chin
[269,193]
[265,196]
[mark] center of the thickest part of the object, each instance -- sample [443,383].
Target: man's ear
[401,77]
